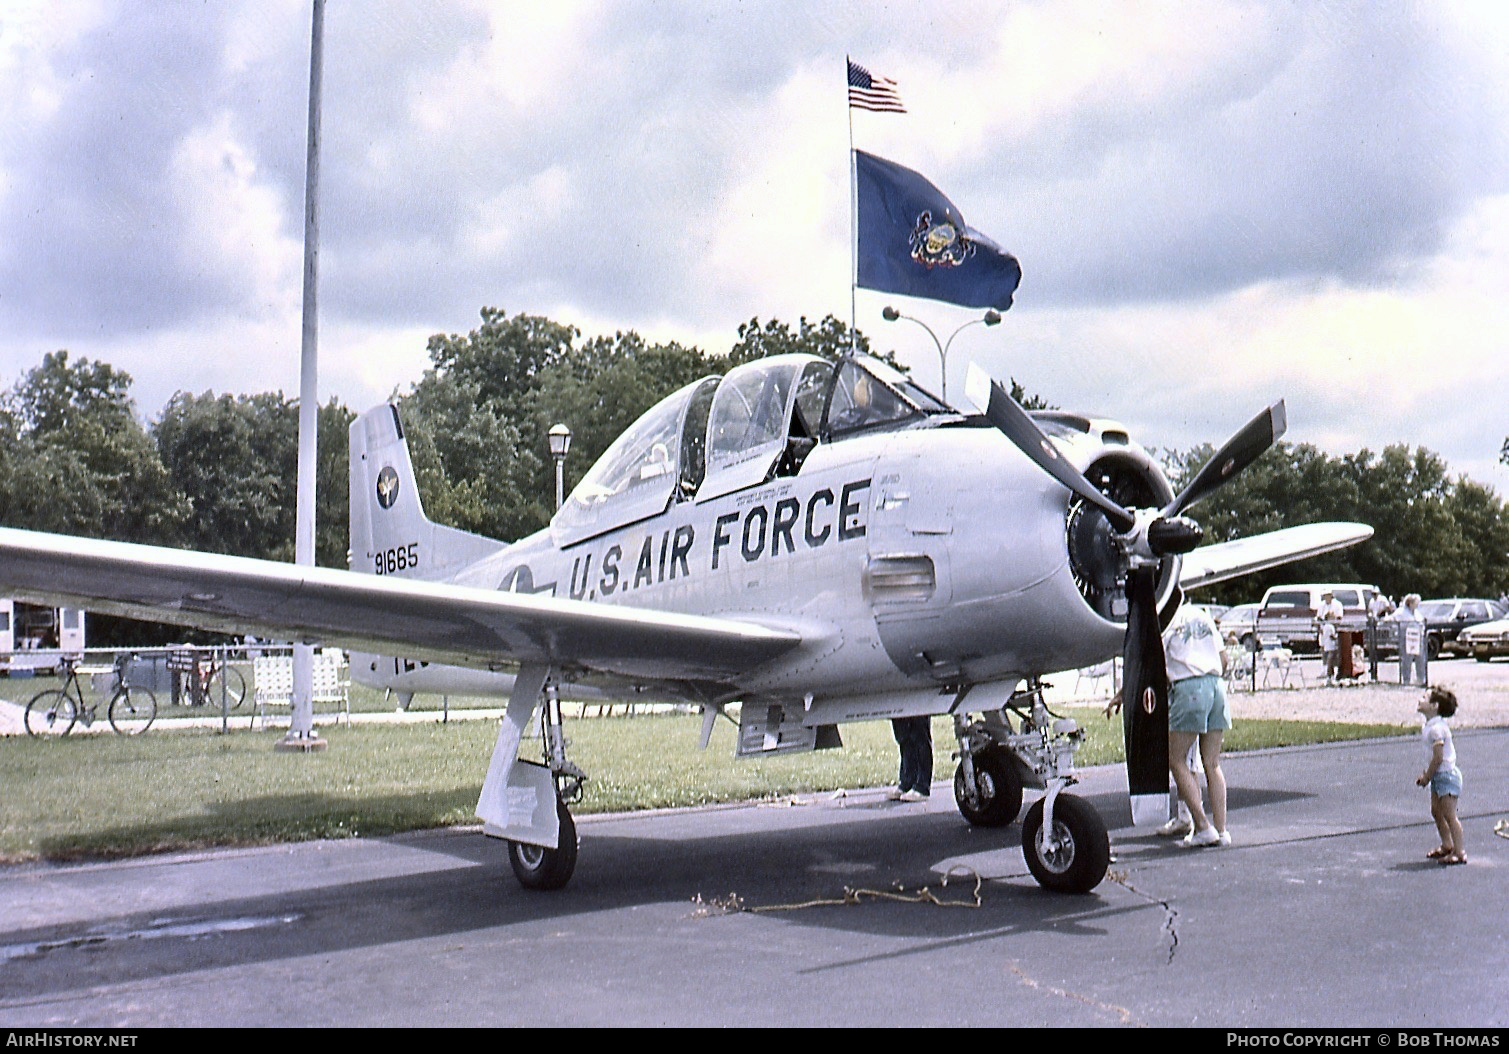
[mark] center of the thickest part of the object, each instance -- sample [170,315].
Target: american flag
[868,92]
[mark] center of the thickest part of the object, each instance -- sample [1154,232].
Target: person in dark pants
[914,735]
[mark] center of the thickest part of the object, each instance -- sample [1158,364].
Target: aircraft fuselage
[912,562]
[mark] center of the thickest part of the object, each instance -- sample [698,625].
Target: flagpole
[302,736]
[853,220]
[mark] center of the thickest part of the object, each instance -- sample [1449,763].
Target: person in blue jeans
[914,736]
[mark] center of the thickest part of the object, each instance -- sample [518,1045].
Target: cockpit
[722,434]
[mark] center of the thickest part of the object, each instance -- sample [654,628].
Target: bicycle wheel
[235,688]
[51,713]
[132,711]
[226,679]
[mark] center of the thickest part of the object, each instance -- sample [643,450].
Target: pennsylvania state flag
[913,241]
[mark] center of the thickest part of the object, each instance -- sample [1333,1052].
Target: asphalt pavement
[1325,912]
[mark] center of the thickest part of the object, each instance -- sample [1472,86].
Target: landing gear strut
[1064,839]
[524,802]
[535,866]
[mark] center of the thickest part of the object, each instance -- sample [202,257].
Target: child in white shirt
[1441,774]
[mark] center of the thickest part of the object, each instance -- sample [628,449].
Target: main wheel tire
[133,711]
[1432,648]
[998,789]
[539,868]
[1084,847]
[51,713]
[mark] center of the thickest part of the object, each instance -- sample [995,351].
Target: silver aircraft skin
[820,543]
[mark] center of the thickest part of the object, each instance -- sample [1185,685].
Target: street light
[560,442]
[990,318]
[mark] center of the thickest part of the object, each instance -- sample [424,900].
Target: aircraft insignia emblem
[387,487]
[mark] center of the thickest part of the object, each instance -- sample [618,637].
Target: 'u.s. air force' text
[758,531]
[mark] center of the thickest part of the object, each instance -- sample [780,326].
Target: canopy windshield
[870,394]
[635,478]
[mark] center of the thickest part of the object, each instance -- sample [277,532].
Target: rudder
[390,534]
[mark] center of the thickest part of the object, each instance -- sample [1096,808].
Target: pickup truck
[1286,618]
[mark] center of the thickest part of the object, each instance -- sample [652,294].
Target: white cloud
[239,226]
[1213,203]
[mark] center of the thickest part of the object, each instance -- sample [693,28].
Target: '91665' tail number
[400,558]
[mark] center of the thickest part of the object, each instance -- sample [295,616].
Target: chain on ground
[733,904]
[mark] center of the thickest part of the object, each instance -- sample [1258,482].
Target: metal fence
[192,680]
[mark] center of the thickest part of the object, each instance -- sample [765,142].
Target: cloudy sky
[1214,204]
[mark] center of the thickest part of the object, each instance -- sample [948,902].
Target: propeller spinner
[1142,538]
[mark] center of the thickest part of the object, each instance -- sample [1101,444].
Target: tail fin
[390,534]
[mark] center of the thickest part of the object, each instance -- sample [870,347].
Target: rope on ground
[733,904]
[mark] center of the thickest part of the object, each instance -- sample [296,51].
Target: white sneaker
[1175,827]
[1200,839]
[1224,836]
[894,794]
[913,795]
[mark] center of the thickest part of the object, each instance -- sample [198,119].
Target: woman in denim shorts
[1197,711]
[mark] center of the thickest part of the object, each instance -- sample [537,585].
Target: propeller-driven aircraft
[817,542]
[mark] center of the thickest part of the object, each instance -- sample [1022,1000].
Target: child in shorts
[1441,774]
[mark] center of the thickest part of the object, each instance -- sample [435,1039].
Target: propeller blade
[1240,451]
[1002,410]
[1144,700]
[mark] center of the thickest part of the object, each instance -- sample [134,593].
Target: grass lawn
[106,795]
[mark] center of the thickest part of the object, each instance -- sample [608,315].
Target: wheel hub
[1057,856]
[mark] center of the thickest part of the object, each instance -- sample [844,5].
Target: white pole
[301,734]
[853,217]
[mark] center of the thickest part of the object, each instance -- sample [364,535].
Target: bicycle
[54,712]
[201,683]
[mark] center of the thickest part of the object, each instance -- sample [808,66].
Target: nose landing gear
[1064,839]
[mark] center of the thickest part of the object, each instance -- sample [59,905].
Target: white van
[1286,618]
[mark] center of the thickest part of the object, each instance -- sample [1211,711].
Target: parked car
[1215,611]
[1485,640]
[1286,618]
[1241,620]
[1445,620]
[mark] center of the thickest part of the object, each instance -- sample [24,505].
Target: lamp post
[560,442]
[990,318]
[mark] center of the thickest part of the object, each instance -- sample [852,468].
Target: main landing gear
[535,866]
[539,868]
[1063,838]
[525,802]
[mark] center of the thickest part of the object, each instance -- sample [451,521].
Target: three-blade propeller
[1144,537]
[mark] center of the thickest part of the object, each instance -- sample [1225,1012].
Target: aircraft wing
[429,621]
[1216,563]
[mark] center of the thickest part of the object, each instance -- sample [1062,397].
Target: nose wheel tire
[539,868]
[997,796]
[1081,852]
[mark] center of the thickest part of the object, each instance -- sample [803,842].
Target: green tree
[235,460]
[830,338]
[79,461]
[1432,535]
